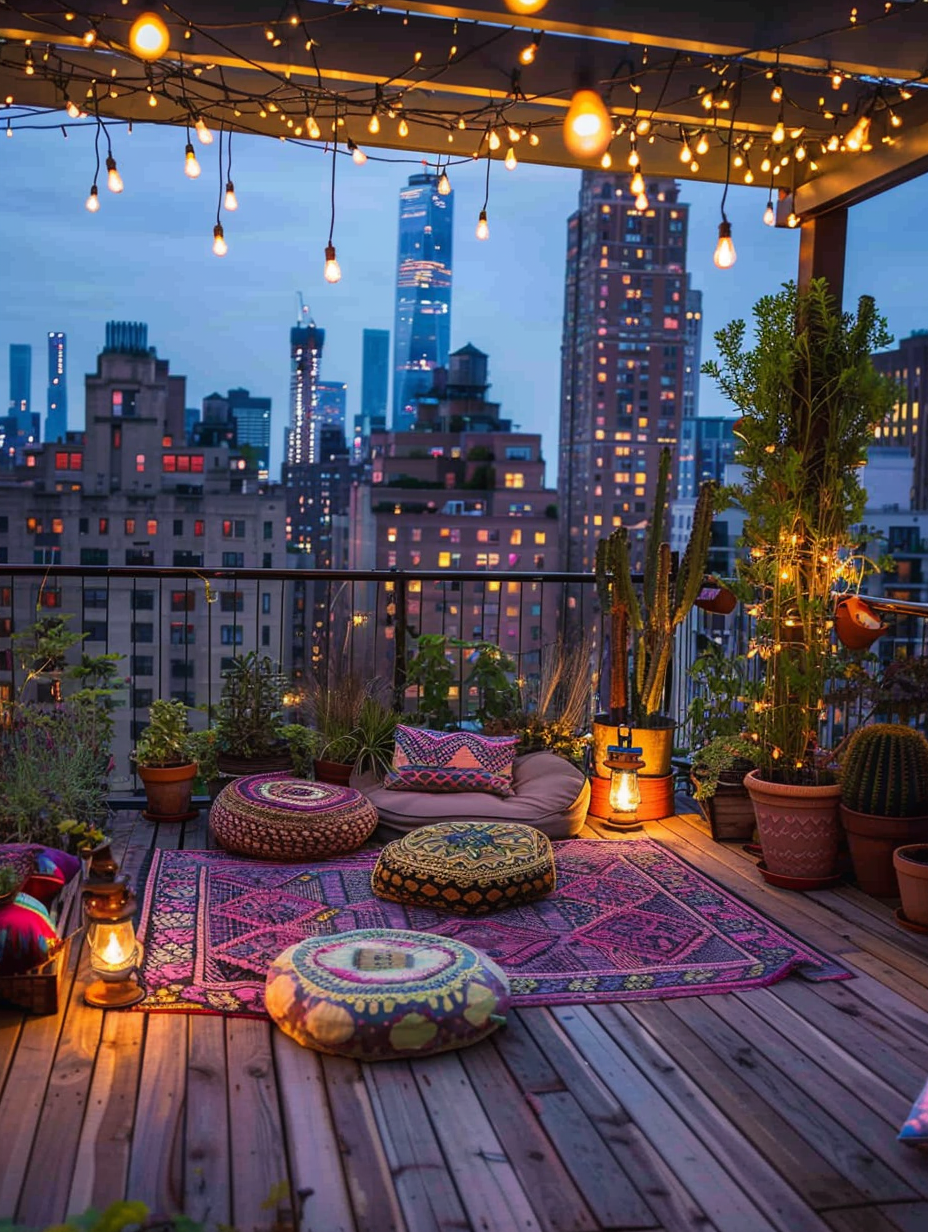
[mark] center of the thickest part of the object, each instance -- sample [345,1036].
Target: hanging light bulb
[525,7]
[895,120]
[606,161]
[724,256]
[403,128]
[533,139]
[493,140]
[858,135]
[799,153]
[643,127]
[92,204]
[90,37]
[769,215]
[191,166]
[641,201]
[776,94]
[708,101]
[332,271]
[686,154]
[483,227]
[792,219]
[113,178]
[587,127]
[702,145]
[511,161]
[637,184]
[358,157]
[312,128]
[634,158]
[74,111]
[836,80]
[779,133]
[749,176]
[149,37]
[513,134]
[765,165]
[230,202]
[373,124]
[444,184]
[833,143]
[220,247]
[205,136]
[527,54]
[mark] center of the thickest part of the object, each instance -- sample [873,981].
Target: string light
[637,184]
[606,161]
[483,227]
[769,215]
[29,66]
[686,154]
[511,162]
[373,124]
[403,128]
[702,145]
[533,138]
[74,111]
[203,133]
[857,137]
[220,247]
[92,204]
[527,54]
[836,79]
[525,7]
[149,37]
[513,134]
[643,127]
[725,256]
[191,166]
[230,201]
[444,185]
[778,136]
[113,178]
[332,271]
[312,128]
[587,127]
[358,157]
[792,219]
[493,141]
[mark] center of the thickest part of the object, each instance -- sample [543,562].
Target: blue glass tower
[56,414]
[422,330]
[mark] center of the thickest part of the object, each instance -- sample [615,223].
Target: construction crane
[304,316]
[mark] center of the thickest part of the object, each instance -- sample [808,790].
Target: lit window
[140,462]
[167,442]
[417,534]
[76,461]
[57,526]
[103,526]
[444,560]
[199,528]
[130,526]
[391,534]
[61,461]
[515,479]
[515,537]
[539,536]
[169,462]
[640,477]
[151,526]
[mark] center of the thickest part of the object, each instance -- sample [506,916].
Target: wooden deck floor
[775,1109]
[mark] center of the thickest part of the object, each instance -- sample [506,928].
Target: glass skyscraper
[306,343]
[21,388]
[422,330]
[56,413]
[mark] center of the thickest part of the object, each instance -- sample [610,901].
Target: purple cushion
[27,935]
[435,761]
[51,869]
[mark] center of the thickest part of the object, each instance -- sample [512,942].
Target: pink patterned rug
[628,920]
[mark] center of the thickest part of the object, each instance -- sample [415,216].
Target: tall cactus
[884,771]
[650,620]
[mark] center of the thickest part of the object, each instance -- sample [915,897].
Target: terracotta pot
[169,789]
[337,773]
[716,598]
[872,841]
[856,624]
[798,826]
[911,865]
[656,744]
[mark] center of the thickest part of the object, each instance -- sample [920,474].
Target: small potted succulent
[164,761]
[884,800]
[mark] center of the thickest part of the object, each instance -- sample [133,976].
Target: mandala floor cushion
[467,867]
[281,817]
[379,994]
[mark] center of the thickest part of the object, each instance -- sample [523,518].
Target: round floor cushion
[468,867]
[281,817]
[378,994]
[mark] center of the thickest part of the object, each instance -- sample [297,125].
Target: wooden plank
[45,1191]
[859,1219]
[196,832]
[889,975]
[207,1179]
[423,1183]
[102,1164]
[367,1170]
[735,1150]
[826,1105]
[760,1121]
[486,1180]
[906,1216]
[558,1204]
[315,1161]
[524,1059]
[156,1161]
[261,1194]
[11,1024]
[645,1166]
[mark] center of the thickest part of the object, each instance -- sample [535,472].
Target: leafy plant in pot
[164,762]
[884,800]
[250,716]
[648,622]
[355,731]
[810,399]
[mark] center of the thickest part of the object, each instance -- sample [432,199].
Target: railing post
[399,644]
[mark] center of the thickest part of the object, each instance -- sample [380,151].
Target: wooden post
[822,247]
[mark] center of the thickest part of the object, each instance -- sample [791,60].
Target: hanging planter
[856,623]
[715,597]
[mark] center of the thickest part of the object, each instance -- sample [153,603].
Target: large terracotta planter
[911,865]
[169,790]
[336,773]
[656,744]
[798,826]
[872,841]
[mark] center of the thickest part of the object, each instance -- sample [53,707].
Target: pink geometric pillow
[451,761]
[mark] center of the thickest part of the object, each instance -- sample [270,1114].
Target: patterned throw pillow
[49,872]
[27,935]
[426,760]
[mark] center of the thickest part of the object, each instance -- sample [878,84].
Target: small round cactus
[884,771]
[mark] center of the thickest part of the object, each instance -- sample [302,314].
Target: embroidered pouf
[281,817]
[378,994]
[468,867]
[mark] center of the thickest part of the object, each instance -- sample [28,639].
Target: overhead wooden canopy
[451,76]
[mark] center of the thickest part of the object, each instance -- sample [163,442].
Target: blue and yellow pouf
[467,867]
[379,994]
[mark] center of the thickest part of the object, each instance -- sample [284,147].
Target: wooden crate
[38,991]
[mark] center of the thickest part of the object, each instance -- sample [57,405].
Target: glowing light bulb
[527,54]
[403,128]
[74,111]
[90,37]
[152,101]
[833,143]
[373,124]
[220,247]
[792,220]
[113,178]
[769,215]
[513,134]
[444,185]
[483,227]
[895,120]
[836,80]
[641,201]
[606,161]
[634,158]
[724,256]
[707,101]
[525,7]
[637,184]
[799,153]
[686,154]
[191,166]
[779,133]
[313,128]
[358,157]
[776,94]
[493,140]
[738,160]
[332,271]
[149,37]
[587,127]
[205,136]
[765,165]
[702,145]
[92,204]
[749,176]
[230,201]
[858,135]
[643,127]
[511,161]
[533,139]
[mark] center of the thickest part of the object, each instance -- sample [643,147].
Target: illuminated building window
[416,534]
[640,477]
[57,526]
[140,462]
[597,519]
[130,526]
[391,559]
[444,560]
[540,537]
[151,526]
[514,479]
[391,534]
[199,528]
[515,537]
[103,526]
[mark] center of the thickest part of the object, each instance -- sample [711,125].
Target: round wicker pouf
[280,817]
[467,867]
[380,994]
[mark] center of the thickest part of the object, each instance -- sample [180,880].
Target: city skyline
[225,322]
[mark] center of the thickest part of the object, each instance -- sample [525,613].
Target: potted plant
[911,864]
[810,399]
[250,716]
[355,731]
[647,622]
[164,762]
[884,800]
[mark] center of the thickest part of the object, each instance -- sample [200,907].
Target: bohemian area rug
[628,920]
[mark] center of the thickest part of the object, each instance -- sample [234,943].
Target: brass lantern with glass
[115,954]
[623,762]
